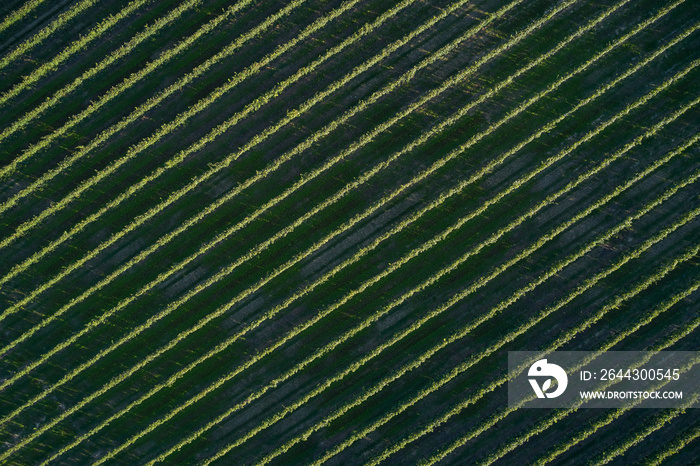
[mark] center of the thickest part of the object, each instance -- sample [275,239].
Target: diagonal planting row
[390,269]
[213,170]
[493,312]
[19,13]
[206,247]
[612,416]
[395,265]
[121,52]
[659,422]
[362,178]
[415,399]
[74,48]
[494,419]
[364,433]
[677,445]
[303,327]
[182,336]
[140,220]
[560,414]
[126,266]
[168,128]
[547,423]
[87,400]
[600,313]
[42,35]
[645,320]
[604,238]
[500,416]
[323,351]
[433,314]
[588,284]
[150,104]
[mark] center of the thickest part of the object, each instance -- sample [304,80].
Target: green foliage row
[75,47]
[199,325]
[169,345]
[91,325]
[40,36]
[619,300]
[164,240]
[208,246]
[102,319]
[655,425]
[257,323]
[463,367]
[121,52]
[556,269]
[471,289]
[19,268]
[392,267]
[613,415]
[417,251]
[677,445]
[134,116]
[169,273]
[326,421]
[218,349]
[96,323]
[627,224]
[19,13]
[180,193]
[645,320]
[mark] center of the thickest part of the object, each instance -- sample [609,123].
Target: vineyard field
[310,232]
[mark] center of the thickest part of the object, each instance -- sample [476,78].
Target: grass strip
[42,35]
[121,52]
[20,13]
[74,48]
[569,335]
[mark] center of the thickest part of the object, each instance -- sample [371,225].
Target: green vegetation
[677,445]
[74,48]
[531,286]
[65,91]
[46,32]
[614,414]
[20,13]
[307,232]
